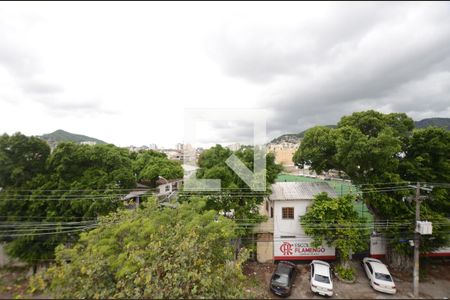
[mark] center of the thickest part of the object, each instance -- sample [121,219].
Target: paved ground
[433,286]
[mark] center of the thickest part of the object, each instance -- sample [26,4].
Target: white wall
[287,227]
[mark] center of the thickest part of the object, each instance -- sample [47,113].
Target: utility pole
[416,245]
[418,199]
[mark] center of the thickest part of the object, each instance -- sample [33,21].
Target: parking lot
[435,285]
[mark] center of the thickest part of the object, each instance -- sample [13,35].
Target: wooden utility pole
[416,245]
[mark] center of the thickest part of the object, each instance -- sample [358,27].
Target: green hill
[64,136]
[292,137]
[438,122]
[295,137]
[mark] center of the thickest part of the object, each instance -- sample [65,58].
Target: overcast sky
[126,72]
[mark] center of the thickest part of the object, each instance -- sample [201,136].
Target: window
[271,212]
[384,277]
[167,188]
[287,236]
[267,205]
[369,267]
[321,278]
[287,212]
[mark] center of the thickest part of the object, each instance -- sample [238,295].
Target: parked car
[379,276]
[283,278]
[321,282]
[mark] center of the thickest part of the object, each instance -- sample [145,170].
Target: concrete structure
[378,247]
[284,208]
[234,147]
[284,152]
[5,260]
[189,170]
[137,149]
[152,147]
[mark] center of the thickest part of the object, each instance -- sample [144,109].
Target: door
[369,271]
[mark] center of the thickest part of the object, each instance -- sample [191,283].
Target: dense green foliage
[235,196]
[374,148]
[148,165]
[296,137]
[21,158]
[66,189]
[345,273]
[150,253]
[335,222]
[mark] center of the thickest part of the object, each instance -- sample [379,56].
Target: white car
[379,276]
[320,281]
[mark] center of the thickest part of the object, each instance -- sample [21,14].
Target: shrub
[345,273]
[151,253]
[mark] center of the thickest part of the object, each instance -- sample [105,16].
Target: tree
[317,146]
[373,148]
[150,253]
[235,195]
[148,165]
[74,185]
[335,222]
[21,158]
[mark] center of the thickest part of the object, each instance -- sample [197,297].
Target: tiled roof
[300,190]
[134,194]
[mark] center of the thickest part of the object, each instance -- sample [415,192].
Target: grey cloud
[61,106]
[39,87]
[376,56]
[27,71]
[228,132]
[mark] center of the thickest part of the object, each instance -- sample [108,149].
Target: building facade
[282,236]
[284,152]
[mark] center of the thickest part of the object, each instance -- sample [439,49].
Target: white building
[378,247]
[282,237]
[234,147]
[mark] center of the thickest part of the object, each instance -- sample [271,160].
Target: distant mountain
[63,136]
[292,137]
[295,137]
[438,122]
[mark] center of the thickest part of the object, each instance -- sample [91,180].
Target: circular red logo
[286,248]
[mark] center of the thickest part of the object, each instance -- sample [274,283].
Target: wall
[264,248]
[378,249]
[283,153]
[298,246]
[283,227]
[5,260]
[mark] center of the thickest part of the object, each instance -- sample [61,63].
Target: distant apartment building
[137,149]
[172,154]
[152,147]
[284,152]
[234,147]
[90,143]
